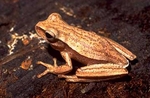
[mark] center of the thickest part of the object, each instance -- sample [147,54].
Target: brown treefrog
[103,57]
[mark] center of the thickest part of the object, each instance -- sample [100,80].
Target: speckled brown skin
[104,56]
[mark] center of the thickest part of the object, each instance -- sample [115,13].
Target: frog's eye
[50,36]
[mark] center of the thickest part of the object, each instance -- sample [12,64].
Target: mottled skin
[104,57]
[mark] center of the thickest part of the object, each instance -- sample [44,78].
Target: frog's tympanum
[103,58]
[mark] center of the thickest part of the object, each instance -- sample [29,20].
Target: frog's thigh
[101,70]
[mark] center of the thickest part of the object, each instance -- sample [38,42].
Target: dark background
[125,21]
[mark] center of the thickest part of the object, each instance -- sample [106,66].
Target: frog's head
[46,30]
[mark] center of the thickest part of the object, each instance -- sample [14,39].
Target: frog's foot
[55,69]
[96,72]
[73,78]
[50,68]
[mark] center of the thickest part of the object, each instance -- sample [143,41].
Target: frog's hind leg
[96,72]
[121,49]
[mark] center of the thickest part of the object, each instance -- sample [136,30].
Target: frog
[103,58]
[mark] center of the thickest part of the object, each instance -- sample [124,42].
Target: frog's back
[87,44]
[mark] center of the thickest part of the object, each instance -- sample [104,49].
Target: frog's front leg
[55,69]
[97,72]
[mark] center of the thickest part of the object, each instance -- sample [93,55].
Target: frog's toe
[49,66]
[43,73]
[67,76]
[38,62]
